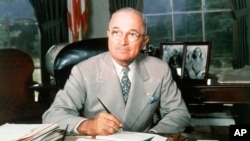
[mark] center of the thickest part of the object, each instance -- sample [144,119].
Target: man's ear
[145,41]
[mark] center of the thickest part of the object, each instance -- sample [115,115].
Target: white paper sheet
[125,136]
[13,132]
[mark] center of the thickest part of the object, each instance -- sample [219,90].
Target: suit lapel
[110,90]
[142,90]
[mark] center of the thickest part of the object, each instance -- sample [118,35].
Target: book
[25,132]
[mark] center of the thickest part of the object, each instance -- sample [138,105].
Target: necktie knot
[125,70]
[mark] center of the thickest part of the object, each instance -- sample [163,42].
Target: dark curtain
[117,4]
[241,32]
[52,22]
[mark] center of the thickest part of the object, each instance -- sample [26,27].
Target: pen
[65,132]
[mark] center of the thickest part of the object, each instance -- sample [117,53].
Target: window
[18,29]
[193,21]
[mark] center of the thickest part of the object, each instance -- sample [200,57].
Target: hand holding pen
[103,124]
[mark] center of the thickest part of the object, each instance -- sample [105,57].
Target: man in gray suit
[92,102]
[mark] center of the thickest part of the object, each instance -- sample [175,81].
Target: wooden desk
[216,96]
[201,93]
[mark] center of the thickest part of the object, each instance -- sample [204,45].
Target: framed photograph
[196,60]
[172,53]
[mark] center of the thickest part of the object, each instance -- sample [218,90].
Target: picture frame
[172,53]
[196,61]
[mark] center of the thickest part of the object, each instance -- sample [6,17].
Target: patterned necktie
[125,83]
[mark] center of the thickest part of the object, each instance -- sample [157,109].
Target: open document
[125,136]
[25,132]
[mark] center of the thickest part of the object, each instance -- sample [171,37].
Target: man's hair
[129,9]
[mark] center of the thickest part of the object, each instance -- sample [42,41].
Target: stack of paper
[25,132]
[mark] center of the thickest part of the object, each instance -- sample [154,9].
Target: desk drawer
[216,95]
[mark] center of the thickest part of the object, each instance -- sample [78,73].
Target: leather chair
[16,98]
[74,53]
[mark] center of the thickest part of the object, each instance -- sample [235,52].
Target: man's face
[124,50]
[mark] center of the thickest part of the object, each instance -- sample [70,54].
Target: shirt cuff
[75,129]
[153,131]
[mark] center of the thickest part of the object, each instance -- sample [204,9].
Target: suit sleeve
[67,103]
[173,111]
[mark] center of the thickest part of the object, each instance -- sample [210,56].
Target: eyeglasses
[132,36]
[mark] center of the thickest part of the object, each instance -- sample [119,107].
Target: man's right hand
[103,124]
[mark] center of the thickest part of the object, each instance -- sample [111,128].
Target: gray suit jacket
[94,87]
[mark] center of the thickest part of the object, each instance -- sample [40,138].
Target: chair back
[74,53]
[16,68]
[16,98]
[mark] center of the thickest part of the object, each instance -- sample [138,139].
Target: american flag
[77,19]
